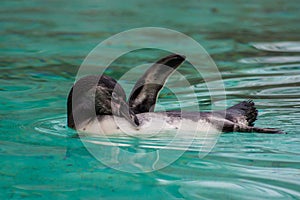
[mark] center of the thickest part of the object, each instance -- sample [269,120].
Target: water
[255,45]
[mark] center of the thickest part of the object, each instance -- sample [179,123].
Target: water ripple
[270,59]
[291,46]
[55,126]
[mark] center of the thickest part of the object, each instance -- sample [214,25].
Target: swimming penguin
[97,105]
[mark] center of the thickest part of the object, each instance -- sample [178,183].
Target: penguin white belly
[151,125]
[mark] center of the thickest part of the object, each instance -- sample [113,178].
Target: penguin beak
[127,113]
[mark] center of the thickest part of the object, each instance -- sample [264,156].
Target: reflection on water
[256,47]
[271,59]
[278,46]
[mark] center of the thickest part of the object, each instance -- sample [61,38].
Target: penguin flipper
[145,92]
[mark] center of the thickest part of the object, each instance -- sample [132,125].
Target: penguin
[97,105]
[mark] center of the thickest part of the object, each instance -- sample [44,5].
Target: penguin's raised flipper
[144,94]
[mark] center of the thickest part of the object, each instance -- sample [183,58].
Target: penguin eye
[114,96]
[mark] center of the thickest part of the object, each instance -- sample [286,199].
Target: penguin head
[95,96]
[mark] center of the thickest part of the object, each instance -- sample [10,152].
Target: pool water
[256,46]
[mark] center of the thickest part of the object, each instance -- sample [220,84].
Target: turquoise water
[255,45]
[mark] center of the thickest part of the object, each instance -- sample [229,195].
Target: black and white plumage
[99,106]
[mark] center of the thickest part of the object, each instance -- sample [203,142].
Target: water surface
[255,45]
